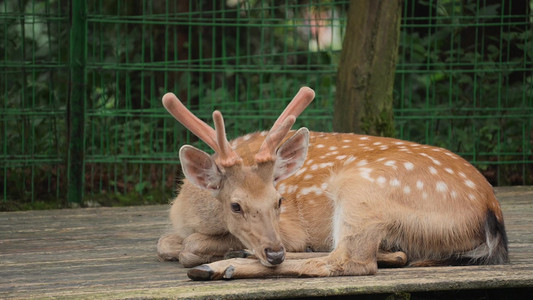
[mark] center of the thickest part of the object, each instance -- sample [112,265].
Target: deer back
[409,177]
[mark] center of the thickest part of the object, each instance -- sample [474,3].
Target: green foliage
[463,83]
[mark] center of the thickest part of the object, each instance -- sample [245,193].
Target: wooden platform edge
[109,253]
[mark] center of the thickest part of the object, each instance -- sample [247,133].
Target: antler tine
[297,105]
[273,139]
[227,157]
[214,138]
[190,121]
[283,124]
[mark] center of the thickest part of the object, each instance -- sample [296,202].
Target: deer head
[250,201]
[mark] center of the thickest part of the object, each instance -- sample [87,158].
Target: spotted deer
[343,202]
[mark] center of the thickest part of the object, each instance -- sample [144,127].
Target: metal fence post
[76,104]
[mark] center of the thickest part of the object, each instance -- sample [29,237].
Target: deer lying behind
[365,200]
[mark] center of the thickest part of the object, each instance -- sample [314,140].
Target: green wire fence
[81,83]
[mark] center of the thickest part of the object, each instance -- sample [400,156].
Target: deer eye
[236,208]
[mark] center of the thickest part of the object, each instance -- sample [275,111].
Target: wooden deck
[110,253]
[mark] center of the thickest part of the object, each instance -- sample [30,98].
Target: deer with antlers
[303,203]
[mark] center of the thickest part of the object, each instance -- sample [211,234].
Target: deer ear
[200,168]
[291,155]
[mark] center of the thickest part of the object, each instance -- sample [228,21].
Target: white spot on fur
[367,177]
[314,167]
[365,173]
[436,161]
[448,170]
[451,155]
[395,182]
[291,189]
[470,184]
[361,163]
[340,157]
[432,170]
[462,174]
[376,143]
[349,160]
[325,165]
[312,189]
[300,172]
[399,143]
[424,195]
[383,147]
[308,176]
[320,146]
[332,148]
[406,189]
[441,186]
[432,159]
[346,141]
[471,197]
[454,194]
[309,162]
[419,184]
[391,163]
[363,138]
[366,170]
[345,146]
[408,166]
[381,180]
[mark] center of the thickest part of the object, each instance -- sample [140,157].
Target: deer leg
[337,263]
[252,268]
[304,255]
[354,255]
[169,247]
[385,259]
[197,248]
[392,259]
[200,248]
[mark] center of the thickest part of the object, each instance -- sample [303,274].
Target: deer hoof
[228,274]
[201,273]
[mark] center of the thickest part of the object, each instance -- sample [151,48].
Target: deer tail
[494,250]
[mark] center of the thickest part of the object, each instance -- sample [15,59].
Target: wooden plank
[110,253]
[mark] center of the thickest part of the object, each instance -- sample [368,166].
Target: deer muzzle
[275,257]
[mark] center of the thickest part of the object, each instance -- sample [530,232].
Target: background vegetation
[463,81]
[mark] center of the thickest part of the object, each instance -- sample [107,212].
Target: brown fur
[362,198]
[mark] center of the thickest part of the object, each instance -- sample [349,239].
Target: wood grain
[110,253]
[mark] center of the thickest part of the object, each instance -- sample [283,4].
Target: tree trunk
[367,66]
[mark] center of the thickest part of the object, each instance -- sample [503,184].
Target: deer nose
[275,257]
